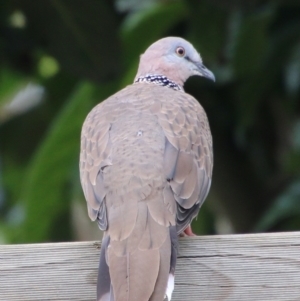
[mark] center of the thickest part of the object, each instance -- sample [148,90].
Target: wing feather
[188,157]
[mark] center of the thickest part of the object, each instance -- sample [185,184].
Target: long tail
[174,251]
[140,274]
[104,288]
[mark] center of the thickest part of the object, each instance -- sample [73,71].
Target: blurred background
[59,58]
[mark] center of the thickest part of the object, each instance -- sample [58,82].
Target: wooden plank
[260,267]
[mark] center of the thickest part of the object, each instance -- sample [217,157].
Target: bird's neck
[158,79]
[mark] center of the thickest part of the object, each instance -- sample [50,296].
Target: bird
[146,160]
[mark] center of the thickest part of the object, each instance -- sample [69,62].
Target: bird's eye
[180,51]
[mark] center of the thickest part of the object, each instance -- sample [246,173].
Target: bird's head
[174,58]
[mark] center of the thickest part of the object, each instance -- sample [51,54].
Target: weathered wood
[234,267]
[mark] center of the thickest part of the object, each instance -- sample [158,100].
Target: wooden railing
[262,267]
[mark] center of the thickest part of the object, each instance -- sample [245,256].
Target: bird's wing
[94,156]
[188,156]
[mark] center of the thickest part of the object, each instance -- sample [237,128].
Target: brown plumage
[146,166]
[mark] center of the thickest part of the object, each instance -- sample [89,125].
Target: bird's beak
[203,71]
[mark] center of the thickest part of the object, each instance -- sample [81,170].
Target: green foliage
[73,33]
[159,19]
[284,212]
[251,42]
[207,28]
[59,58]
[10,81]
[45,193]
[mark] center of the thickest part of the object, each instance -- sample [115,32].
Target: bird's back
[131,144]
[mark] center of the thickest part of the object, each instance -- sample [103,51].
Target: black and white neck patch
[160,80]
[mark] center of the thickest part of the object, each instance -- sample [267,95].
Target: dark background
[59,58]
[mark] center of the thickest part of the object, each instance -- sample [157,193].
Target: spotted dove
[145,167]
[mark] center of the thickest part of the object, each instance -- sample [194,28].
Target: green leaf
[287,205]
[204,222]
[251,44]
[292,72]
[46,196]
[144,27]
[207,25]
[10,83]
[81,35]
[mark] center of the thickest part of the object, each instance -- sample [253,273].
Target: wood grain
[262,267]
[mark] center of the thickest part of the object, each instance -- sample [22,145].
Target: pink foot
[188,232]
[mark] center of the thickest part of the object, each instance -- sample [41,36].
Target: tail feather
[174,248]
[164,268]
[130,273]
[140,267]
[173,259]
[103,282]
